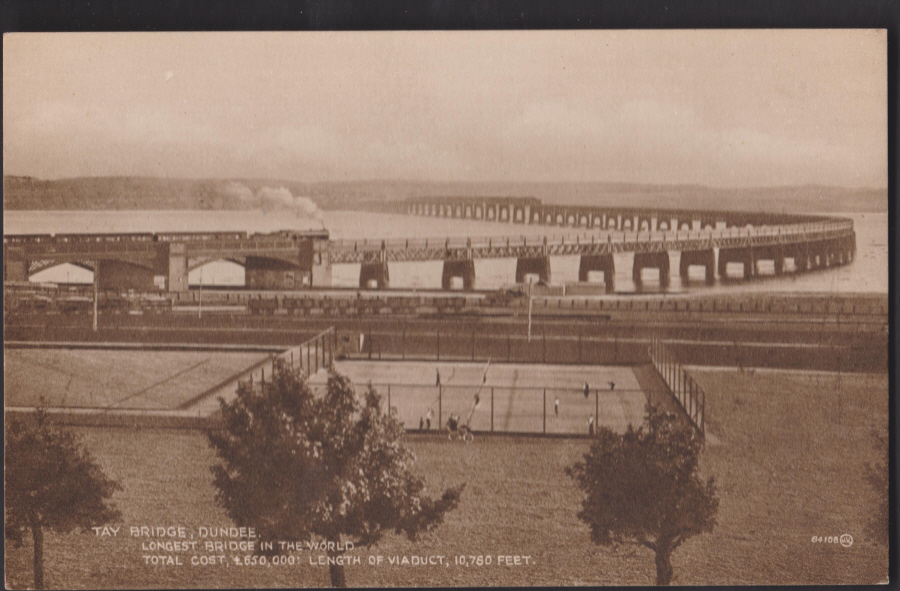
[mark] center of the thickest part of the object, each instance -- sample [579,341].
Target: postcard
[445,308]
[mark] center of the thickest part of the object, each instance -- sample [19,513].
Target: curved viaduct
[300,260]
[707,238]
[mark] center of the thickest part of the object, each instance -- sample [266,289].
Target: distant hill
[159,193]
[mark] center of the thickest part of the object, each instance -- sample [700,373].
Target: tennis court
[511,397]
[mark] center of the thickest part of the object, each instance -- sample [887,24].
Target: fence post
[403,345]
[596,409]
[508,347]
[473,344]
[703,403]
[544,339]
[492,409]
[440,404]
[317,356]
[691,393]
[545,411]
[439,345]
[664,363]
[292,359]
[693,409]
[579,348]
[671,366]
[389,400]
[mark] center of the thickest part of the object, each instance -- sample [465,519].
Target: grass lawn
[120,379]
[791,462]
[789,457]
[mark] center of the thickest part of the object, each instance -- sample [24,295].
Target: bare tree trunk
[336,571]
[37,535]
[663,564]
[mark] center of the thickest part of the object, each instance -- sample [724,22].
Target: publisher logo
[846,540]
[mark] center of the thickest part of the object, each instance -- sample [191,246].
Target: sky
[717,108]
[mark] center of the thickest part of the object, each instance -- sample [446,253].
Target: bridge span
[303,260]
[810,246]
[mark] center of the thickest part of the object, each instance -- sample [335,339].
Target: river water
[868,273]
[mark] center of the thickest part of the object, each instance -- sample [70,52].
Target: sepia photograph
[445,308]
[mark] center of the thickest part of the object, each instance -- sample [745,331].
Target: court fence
[318,352]
[687,392]
[456,344]
[506,409]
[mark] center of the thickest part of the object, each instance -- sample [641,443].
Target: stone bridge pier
[176,267]
[705,258]
[652,260]
[800,254]
[464,269]
[773,253]
[376,272]
[539,266]
[841,251]
[15,264]
[598,262]
[743,255]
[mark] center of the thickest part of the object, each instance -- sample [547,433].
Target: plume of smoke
[270,199]
[239,191]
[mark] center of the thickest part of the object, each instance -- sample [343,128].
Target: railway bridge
[162,261]
[300,260]
[702,237]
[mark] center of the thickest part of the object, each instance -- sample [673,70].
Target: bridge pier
[533,265]
[521,214]
[817,255]
[15,264]
[464,269]
[377,272]
[321,271]
[598,262]
[799,252]
[176,266]
[843,249]
[737,255]
[774,253]
[657,260]
[705,258]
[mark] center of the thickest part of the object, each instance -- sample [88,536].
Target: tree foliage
[330,468]
[51,482]
[643,487]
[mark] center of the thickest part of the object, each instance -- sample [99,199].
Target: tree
[643,488]
[53,483]
[331,468]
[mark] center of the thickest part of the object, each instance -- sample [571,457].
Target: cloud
[655,141]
